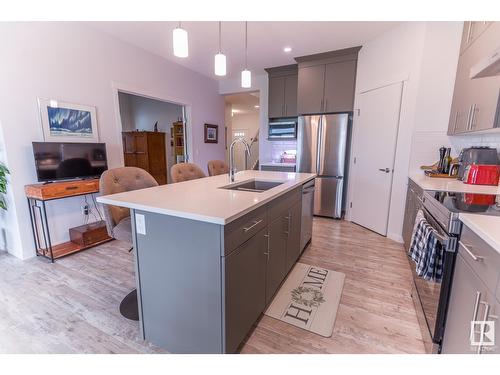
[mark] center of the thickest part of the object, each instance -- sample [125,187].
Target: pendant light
[220,58]
[246,75]
[180,38]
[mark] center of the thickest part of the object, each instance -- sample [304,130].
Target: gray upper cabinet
[276,97]
[326,82]
[291,95]
[475,100]
[310,91]
[282,91]
[472,30]
[340,80]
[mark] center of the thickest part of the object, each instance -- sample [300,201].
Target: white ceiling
[266,41]
[243,103]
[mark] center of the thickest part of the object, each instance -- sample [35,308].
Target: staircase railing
[253,161]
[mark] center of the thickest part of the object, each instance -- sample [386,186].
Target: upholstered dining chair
[217,167]
[118,221]
[185,172]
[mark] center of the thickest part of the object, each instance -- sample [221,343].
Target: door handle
[386,170]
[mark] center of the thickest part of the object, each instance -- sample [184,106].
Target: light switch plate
[140,224]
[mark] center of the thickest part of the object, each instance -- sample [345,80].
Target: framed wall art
[67,122]
[211,133]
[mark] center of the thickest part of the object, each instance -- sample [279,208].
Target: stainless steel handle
[289,218]
[481,332]
[326,105]
[468,118]
[475,257]
[473,116]
[386,170]
[268,252]
[476,305]
[255,223]
[322,105]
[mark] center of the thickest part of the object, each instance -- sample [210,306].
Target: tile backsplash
[278,147]
[425,146]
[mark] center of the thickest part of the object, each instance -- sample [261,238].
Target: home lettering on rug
[296,314]
[318,277]
[315,278]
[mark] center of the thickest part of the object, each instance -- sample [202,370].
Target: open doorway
[242,118]
[153,134]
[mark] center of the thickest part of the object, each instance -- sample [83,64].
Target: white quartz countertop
[451,185]
[486,227]
[203,200]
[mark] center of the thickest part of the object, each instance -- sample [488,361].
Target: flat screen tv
[67,161]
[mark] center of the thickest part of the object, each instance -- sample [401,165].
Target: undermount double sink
[254,186]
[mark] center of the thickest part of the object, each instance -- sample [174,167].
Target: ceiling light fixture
[246,75]
[287,49]
[220,58]
[180,41]
[256,106]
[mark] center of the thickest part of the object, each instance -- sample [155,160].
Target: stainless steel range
[442,209]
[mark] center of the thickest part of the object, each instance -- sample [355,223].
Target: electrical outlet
[85,209]
[140,224]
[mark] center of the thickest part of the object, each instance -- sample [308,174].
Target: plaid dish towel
[426,250]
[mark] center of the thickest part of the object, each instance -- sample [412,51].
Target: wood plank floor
[72,306]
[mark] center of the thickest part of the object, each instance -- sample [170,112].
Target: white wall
[435,92]
[259,83]
[250,123]
[424,55]
[73,63]
[394,56]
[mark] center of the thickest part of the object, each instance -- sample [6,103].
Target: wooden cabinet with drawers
[146,150]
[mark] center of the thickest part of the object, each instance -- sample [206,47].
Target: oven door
[433,296]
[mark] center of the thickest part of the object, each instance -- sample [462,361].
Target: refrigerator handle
[318,144]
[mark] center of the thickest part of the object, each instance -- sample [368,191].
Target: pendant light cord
[220,36]
[246,44]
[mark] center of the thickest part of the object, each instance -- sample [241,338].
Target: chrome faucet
[232,169]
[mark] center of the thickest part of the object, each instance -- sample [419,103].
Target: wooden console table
[38,195]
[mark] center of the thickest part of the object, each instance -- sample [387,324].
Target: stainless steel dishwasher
[307,214]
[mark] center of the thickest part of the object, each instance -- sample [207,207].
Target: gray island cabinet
[203,284]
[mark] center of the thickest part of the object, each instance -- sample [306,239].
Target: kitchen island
[211,254]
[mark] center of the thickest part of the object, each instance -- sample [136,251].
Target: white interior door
[375,137]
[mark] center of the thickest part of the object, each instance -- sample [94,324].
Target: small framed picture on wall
[211,133]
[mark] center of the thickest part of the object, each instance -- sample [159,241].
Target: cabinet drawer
[242,229]
[283,203]
[487,265]
[415,188]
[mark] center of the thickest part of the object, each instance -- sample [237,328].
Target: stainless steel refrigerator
[322,146]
